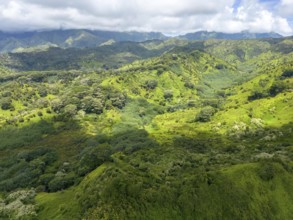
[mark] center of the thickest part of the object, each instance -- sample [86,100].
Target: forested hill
[162,129]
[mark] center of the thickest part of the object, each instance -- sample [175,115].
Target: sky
[171,17]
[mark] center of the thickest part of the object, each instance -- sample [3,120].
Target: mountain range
[205,35]
[81,38]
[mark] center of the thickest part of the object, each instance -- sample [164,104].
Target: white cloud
[168,16]
[286,8]
[250,15]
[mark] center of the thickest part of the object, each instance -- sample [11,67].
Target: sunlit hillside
[162,129]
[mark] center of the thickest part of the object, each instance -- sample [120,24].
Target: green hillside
[178,130]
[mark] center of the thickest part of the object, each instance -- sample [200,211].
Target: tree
[56,105]
[70,110]
[92,105]
[6,104]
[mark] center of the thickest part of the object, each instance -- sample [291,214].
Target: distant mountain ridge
[81,38]
[205,35]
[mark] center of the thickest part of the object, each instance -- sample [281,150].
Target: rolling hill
[182,130]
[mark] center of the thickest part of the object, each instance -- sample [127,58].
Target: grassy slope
[64,205]
[233,192]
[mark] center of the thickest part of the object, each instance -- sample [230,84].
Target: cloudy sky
[171,17]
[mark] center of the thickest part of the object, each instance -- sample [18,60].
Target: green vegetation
[180,130]
[205,114]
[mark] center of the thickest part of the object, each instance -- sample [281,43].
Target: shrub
[266,171]
[195,145]
[263,82]
[40,151]
[6,104]
[119,100]
[56,105]
[192,103]
[92,105]
[168,94]
[257,95]
[221,93]
[21,120]
[46,178]
[70,110]
[151,84]
[61,182]
[6,94]
[132,140]
[277,88]
[160,71]
[189,85]
[92,157]
[205,114]
[220,66]
[200,88]
[216,103]
[287,74]
[19,205]
[42,103]
[43,91]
